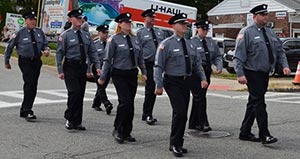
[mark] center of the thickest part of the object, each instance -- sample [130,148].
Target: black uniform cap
[75,13]
[148,13]
[103,28]
[260,9]
[123,17]
[178,18]
[29,14]
[204,24]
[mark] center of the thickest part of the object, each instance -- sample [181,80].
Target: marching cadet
[149,38]
[210,54]
[123,55]
[101,96]
[73,46]
[30,42]
[257,51]
[176,57]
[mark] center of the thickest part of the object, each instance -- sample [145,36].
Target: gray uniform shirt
[213,50]
[118,55]
[100,50]
[22,40]
[68,47]
[170,60]
[251,51]
[147,43]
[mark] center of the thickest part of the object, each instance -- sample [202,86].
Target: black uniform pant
[198,116]
[75,80]
[178,91]
[30,69]
[100,96]
[149,91]
[256,107]
[125,82]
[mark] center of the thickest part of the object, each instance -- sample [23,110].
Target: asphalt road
[48,139]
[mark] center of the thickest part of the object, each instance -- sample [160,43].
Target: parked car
[225,44]
[291,48]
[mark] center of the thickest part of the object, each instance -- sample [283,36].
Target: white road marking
[15,97]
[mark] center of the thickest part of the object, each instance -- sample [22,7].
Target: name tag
[199,48]
[146,36]
[257,37]
[25,39]
[99,50]
[158,33]
[39,35]
[176,50]
[72,40]
[121,45]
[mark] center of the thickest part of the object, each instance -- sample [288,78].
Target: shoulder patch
[60,38]
[109,39]
[161,46]
[240,36]
[13,35]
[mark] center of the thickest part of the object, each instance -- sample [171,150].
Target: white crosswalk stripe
[14,98]
[56,96]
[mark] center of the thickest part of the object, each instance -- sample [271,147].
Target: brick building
[230,16]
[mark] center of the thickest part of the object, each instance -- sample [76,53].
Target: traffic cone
[297,76]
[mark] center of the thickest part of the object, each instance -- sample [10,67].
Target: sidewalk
[280,84]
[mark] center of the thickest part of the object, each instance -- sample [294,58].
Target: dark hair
[85,18]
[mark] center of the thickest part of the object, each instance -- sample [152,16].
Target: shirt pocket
[258,46]
[177,57]
[123,50]
[25,41]
[277,45]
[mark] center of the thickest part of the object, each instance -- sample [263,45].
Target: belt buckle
[185,77]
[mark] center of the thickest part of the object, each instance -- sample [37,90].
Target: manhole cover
[211,134]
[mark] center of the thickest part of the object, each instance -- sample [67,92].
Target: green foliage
[50,60]
[6,6]
[9,6]
[52,46]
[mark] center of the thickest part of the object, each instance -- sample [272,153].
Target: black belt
[29,58]
[74,61]
[176,77]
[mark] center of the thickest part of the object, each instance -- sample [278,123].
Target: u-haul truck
[104,12]
[164,10]
[101,12]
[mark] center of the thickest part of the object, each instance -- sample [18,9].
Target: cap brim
[182,22]
[262,12]
[124,20]
[150,15]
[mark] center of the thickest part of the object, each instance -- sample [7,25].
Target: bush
[52,46]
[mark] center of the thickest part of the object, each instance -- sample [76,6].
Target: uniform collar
[177,37]
[200,38]
[148,29]
[75,30]
[257,27]
[34,29]
[124,35]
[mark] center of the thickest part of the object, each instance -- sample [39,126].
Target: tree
[6,6]
[9,6]
[203,6]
